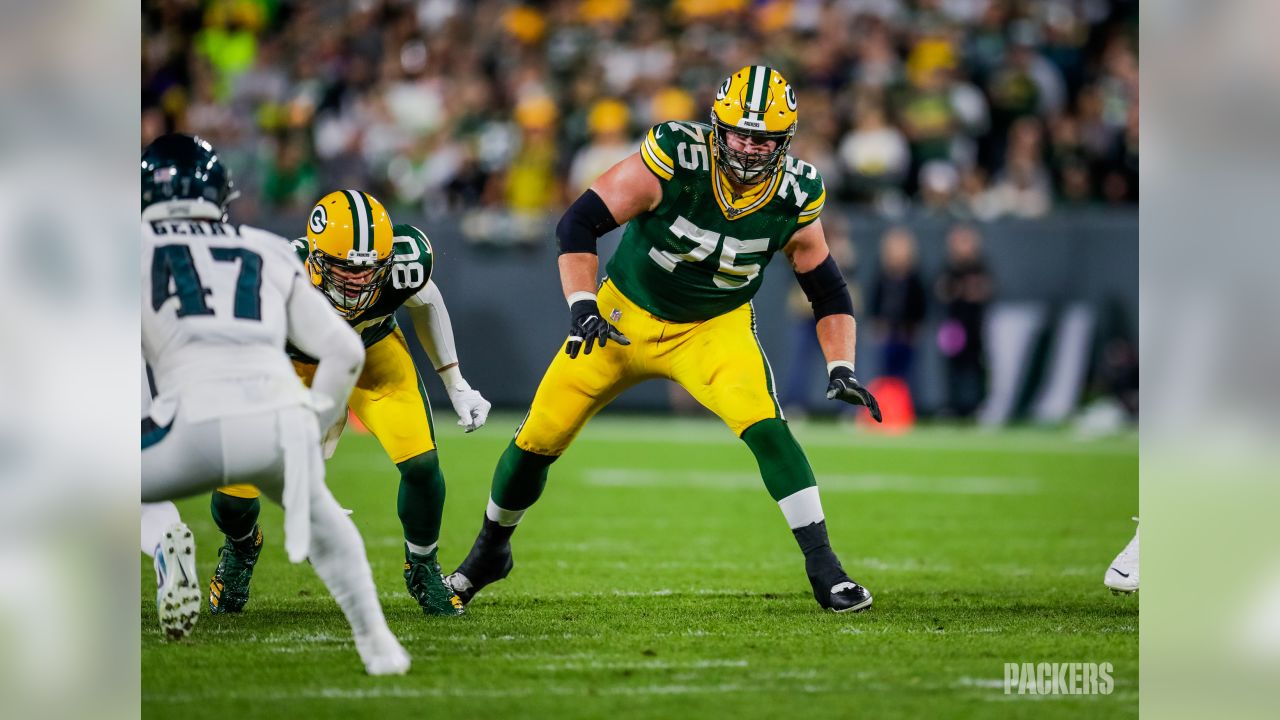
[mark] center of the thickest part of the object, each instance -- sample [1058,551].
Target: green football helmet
[183,177]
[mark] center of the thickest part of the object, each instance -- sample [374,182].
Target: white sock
[802,508]
[156,518]
[505,518]
[421,549]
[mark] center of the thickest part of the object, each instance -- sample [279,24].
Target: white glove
[470,405]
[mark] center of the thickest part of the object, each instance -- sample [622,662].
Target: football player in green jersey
[706,206]
[369,268]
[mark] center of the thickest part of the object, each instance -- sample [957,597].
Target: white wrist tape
[580,295]
[839,363]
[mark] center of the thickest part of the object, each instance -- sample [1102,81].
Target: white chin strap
[182,210]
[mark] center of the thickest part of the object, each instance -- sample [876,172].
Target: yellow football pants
[388,398]
[719,361]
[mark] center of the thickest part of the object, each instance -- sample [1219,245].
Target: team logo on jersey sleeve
[319,219]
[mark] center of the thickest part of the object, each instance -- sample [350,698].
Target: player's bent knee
[422,470]
[544,435]
[783,465]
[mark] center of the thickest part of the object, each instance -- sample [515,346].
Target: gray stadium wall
[509,316]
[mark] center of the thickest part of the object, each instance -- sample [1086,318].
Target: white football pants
[279,452]
[156,518]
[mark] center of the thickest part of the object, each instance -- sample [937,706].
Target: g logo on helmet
[724,88]
[791,98]
[319,219]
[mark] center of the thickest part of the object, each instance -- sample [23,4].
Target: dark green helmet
[182,177]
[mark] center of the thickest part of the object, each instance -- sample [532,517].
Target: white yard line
[868,482]
[641,665]
[682,431]
[401,692]
[622,428]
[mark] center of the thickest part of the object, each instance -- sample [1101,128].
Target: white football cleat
[1122,576]
[177,588]
[382,654]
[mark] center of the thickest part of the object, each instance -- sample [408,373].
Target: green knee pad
[783,465]
[519,478]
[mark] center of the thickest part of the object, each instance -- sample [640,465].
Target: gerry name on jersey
[411,265]
[700,253]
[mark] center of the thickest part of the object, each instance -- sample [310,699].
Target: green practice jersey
[701,252]
[411,265]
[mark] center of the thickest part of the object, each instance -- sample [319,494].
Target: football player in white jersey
[219,302]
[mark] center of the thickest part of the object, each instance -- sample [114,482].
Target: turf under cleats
[488,562]
[177,586]
[425,583]
[229,588]
[382,654]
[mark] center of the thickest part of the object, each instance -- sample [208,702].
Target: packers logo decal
[319,219]
[724,88]
[791,98]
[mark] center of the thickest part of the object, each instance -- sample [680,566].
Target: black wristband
[586,220]
[826,289]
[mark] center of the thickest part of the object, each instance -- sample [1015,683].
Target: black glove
[844,386]
[588,327]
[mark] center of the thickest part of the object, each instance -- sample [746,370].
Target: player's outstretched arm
[824,285]
[435,332]
[317,331]
[621,193]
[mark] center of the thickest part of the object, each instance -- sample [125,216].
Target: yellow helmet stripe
[360,220]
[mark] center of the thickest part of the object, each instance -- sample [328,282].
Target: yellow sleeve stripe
[816,204]
[809,215]
[658,152]
[666,173]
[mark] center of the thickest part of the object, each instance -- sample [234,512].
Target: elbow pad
[826,289]
[586,220]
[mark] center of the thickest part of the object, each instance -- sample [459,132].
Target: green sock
[783,465]
[519,478]
[234,516]
[421,500]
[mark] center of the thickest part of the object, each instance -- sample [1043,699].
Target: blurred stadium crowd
[499,112]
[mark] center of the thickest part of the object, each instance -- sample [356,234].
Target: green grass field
[656,578]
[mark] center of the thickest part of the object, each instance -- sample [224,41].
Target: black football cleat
[844,596]
[488,562]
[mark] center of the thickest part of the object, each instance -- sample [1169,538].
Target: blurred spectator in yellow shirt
[610,143]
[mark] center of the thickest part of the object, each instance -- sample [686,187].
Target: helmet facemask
[749,168]
[348,296]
